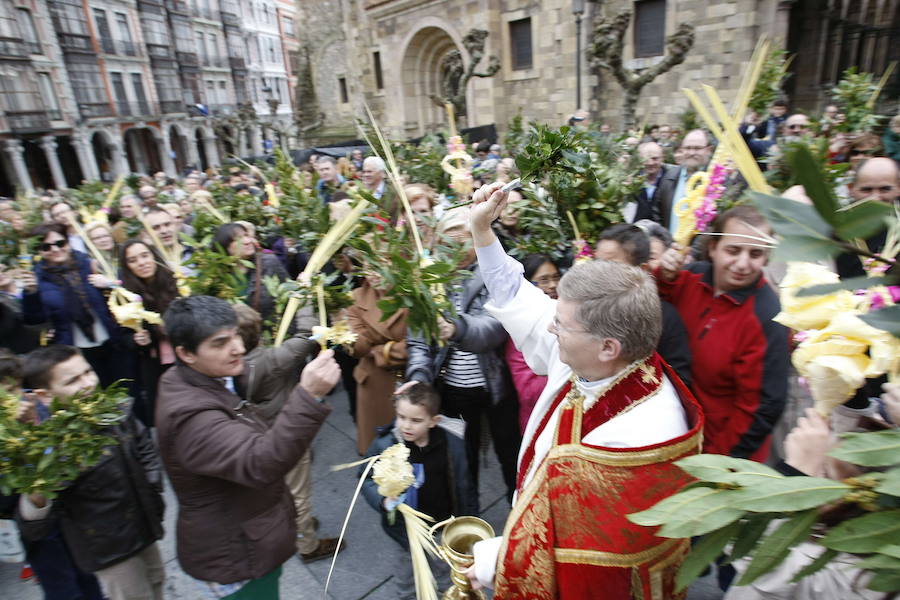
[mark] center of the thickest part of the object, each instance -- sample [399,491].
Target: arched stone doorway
[201,148]
[142,150]
[68,160]
[103,154]
[226,142]
[422,76]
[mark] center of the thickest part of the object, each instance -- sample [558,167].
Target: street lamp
[578,11]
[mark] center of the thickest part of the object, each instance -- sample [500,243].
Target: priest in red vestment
[603,436]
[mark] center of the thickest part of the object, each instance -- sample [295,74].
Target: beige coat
[381,350]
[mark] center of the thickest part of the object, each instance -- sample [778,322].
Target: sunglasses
[48,246]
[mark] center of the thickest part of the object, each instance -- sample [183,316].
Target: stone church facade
[389,54]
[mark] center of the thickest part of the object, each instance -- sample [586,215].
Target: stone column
[193,155]
[49,146]
[165,149]
[255,141]
[17,159]
[212,151]
[86,159]
[119,158]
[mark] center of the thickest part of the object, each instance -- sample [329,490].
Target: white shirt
[525,312]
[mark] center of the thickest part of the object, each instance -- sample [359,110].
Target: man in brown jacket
[272,375]
[236,516]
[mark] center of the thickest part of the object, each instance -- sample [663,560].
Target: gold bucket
[457,539]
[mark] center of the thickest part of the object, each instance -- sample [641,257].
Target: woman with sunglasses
[76,310]
[543,273]
[145,273]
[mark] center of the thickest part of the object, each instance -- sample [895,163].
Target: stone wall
[412,36]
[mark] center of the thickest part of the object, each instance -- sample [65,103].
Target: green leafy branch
[47,457]
[421,286]
[744,509]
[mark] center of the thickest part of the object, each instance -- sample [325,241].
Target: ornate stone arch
[421,73]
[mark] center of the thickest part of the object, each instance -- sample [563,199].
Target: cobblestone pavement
[364,569]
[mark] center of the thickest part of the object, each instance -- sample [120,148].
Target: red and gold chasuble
[568,536]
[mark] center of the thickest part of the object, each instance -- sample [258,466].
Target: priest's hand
[473,580]
[487,204]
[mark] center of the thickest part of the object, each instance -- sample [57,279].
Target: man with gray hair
[603,437]
[373,179]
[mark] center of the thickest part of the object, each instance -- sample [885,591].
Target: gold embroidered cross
[649,375]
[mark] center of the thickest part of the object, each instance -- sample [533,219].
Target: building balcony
[159,51]
[120,47]
[28,121]
[74,41]
[168,107]
[237,63]
[205,12]
[13,48]
[187,59]
[178,6]
[136,109]
[230,18]
[94,110]
[220,110]
[220,62]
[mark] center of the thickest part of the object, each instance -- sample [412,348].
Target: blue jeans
[56,571]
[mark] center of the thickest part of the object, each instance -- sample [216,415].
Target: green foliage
[301,215]
[90,195]
[852,94]
[689,120]
[768,86]
[703,554]
[388,257]
[10,245]
[516,136]
[45,458]
[421,163]
[736,501]
[234,205]
[586,173]
[337,295]
[543,229]
[783,173]
[788,534]
[875,449]
[825,229]
[216,273]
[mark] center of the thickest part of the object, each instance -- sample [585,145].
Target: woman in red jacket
[740,356]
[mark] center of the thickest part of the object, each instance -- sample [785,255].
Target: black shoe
[323,550]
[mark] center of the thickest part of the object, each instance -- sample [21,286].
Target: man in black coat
[110,517]
[654,200]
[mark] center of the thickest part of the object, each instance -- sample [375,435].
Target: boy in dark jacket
[443,487]
[110,517]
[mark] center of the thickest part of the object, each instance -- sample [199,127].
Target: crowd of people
[589,379]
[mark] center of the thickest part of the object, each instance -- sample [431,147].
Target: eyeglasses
[546,280]
[693,148]
[556,328]
[796,127]
[48,246]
